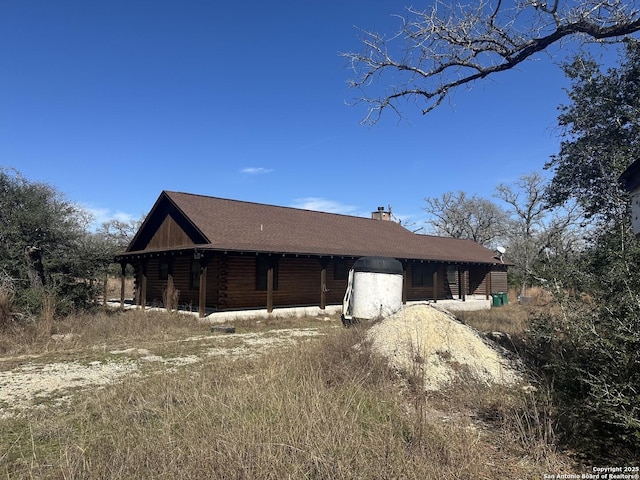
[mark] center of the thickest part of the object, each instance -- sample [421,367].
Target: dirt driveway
[35,380]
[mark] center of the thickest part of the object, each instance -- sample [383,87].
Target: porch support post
[487,284]
[465,279]
[143,285]
[323,288]
[405,266]
[270,289]
[202,289]
[435,285]
[460,282]
[324,263]
[123,271]
[171,286]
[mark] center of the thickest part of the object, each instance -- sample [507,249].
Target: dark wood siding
[155,285]
[477,280]
[169,234]
[231,281]
[449,276]
[336,288]
[499,279]
[299,283]
[426,292]
[181,280]
[217,282]
[189,293]
[451,281]
[181,271]
[239,289]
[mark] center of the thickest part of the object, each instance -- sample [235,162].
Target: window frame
[340,269]
[422,275]
[194,274]
[163,269]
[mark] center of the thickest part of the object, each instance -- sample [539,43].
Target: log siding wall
[474,282]
[423,292]
[299,283]
[499,279]
[231,281]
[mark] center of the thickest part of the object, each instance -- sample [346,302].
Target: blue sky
[113,102]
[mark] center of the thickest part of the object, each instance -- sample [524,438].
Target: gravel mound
[423,340]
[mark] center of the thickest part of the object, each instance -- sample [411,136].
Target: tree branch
[451,46]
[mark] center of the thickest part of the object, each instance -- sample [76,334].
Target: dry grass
[319,409]
[86,331]
[113,288]
[513,318]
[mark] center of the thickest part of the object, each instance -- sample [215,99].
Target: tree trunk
[33,257]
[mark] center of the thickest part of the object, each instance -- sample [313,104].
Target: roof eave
[296,253]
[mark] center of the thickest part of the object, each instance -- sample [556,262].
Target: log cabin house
[223,254]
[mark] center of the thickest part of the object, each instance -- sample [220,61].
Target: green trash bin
[499,299]
[495,300]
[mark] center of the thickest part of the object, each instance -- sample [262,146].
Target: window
[194,278]
[452,276]
[263,264]
[340,270]
[422,275]
[163,270]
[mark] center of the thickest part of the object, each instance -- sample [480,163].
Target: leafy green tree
[38,224]
[601,135]
[589,353]
[34,215]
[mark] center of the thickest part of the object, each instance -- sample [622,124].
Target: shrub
[588,353]
[7,297]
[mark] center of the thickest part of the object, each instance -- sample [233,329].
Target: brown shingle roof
[245,226]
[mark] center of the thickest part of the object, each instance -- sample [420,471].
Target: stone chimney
[380,214]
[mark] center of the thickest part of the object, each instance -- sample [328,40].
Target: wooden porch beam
[143,285]
[487,284]
[123,271]
[465,280]
[405,265]
[270,289]
[435,285]
[323,288]
[324,263]
[170,289]
[202,289]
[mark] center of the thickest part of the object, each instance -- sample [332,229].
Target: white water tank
[374,290]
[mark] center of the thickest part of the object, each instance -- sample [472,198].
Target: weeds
[7,297]
[170,295]
[322,408]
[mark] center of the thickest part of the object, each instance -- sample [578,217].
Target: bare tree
[459,216]
[526,201]
[450,45]
[537,230]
